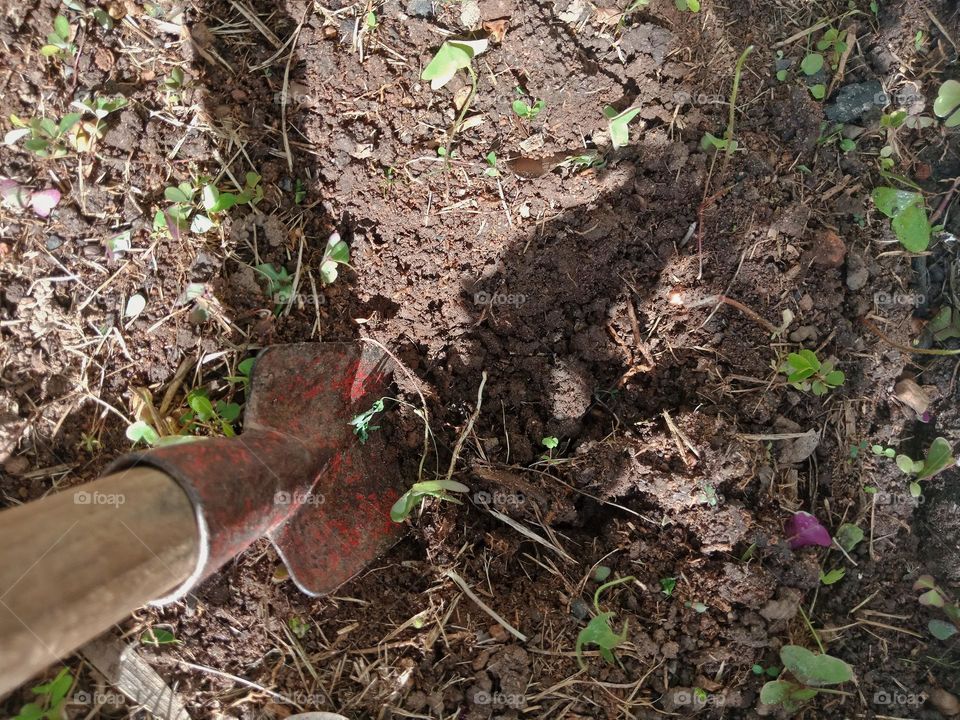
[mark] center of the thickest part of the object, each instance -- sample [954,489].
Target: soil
[594,300]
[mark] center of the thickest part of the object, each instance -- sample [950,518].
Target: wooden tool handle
[76,562]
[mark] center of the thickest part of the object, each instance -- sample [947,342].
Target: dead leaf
[609,16]
[497,29]
[912,395]
[472,122]
[799,449]
[460,96]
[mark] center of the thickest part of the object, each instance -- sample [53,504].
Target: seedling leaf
[849,536]
[939,457]
[452,56]
[941,629]
[812,63]
[812,669]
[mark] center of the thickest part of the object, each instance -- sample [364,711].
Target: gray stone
[854,100]
[420,8]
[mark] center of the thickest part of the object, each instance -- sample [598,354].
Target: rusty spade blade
[297,474]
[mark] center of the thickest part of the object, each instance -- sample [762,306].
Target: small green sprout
[619,124]
[810,673]
[141,431]
[92,130]
[834,576]
[947,103]
[453,55]
[491,170]
[848,536]
[58,42]
[45,137]
[549,442]
[939,457]
[204,413]
[805,372]
[244,368]
[50,701]
[361,422]
[598,631]
[439,489]
[908,216]
[668,585]
[831,44]
[336,253]
[370,20]
[279,285]
[772,671]
[687,5]
[937,597]
[157,636]
[89,443]
[528,112]
[174,82]
[184,212]
[298,626]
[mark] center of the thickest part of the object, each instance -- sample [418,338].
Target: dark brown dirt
[578,292]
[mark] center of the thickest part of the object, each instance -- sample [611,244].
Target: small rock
[670,650]
[828,249]
[470,15]
[857,273]
[579,609]
[420,8]
[854,100]
[945,702]
[783,608]
[497,632]
[806,303]
[16,465]
[806,332]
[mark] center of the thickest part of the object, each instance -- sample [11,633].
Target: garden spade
[76,562]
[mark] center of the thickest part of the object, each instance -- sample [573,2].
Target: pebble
[806,303]
[829,249]
[420,8]
[854,100]
[579,609]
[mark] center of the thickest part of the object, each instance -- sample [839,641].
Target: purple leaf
[804,529]
[44,201]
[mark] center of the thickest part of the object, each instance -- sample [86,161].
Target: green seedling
[206,414]
[439,489]
[619,124]
[687,5]
[184,213]
[939,457]
[598,631]
[452,56]
[90,131]
[601,573]
[908,216]
[728,144]
[831,44]
[936,597]
[809,672]
[697,607]
[50,701]
[279,285]
[42,136]
[805,372]
[89,443]
[772,671]
[336,253]
[244,368]
[834,576]
[173,84]
[550,443]
[848,536]
[668,585]
[370,21]
[58,42]
[584,161]
[491,170]
[157,636]
[298,626]
[528,112]
[781,67]
[361,423]
[811,64]
[947,103]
